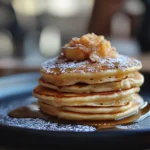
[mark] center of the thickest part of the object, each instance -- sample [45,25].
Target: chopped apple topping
[89,46]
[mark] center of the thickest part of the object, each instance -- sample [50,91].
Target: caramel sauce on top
[57,66]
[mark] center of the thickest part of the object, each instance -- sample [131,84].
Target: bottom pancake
[59,112]
[96,110]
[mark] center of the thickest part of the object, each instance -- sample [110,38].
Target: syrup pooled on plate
[32,111]
[29,111]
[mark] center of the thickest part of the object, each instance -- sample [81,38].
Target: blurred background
[32,31]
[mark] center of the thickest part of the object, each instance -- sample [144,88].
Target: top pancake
[60,71]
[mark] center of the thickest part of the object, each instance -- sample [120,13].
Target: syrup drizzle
[60,66]
[32,111]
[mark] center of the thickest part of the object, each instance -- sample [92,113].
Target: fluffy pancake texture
[81,116]
[124,84]
[90,81]
[94,99]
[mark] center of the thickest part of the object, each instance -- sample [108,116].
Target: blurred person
[104,10]
[144,32]
[8,22]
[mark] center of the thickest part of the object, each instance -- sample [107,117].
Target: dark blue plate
[16,91]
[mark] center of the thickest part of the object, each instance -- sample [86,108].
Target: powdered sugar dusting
[59,66]
[39,124]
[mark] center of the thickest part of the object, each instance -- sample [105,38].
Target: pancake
[90,81]
[94,109]
[113,102]
[60,71]
[83,99]
[98,109]
[104,87]
[80,116]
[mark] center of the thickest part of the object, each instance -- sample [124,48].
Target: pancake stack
[85,90]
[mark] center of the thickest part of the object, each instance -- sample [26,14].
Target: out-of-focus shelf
[10,66]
